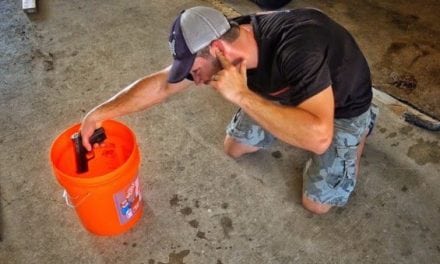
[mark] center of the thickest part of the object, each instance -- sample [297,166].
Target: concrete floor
[59,63]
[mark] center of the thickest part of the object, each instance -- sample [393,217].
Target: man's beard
[215,63]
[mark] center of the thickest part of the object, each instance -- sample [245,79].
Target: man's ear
[216,45]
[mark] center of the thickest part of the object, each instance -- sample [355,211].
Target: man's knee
[235,150]
[314,207]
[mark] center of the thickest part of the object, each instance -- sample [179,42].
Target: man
[296,75]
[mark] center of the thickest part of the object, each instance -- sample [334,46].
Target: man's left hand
[231,81]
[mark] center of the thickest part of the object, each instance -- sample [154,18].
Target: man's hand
[88,126]
[231,82]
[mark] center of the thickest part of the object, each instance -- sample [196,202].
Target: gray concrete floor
[59,63]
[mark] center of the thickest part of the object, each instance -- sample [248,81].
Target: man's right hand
[88,126]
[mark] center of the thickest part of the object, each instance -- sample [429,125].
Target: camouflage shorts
[246,131]
[328,178]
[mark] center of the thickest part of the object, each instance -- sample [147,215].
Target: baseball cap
[193,30]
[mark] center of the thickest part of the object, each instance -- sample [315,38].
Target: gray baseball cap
[193,30]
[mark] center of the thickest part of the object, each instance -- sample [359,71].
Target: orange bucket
[107,198]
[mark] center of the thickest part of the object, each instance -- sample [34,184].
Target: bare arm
[308,125]
[138,96]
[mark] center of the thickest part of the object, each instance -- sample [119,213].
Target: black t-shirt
[300,53]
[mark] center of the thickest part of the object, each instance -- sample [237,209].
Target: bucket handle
[69,199]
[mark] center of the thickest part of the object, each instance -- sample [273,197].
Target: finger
[213,80]
[226,64]
[86,143]
[243,68]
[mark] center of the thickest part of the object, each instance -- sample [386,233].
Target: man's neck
[246,46]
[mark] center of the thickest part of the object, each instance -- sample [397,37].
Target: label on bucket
[127,201]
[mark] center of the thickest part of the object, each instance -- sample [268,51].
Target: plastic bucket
[107,198]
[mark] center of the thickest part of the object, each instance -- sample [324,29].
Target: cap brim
[180,69]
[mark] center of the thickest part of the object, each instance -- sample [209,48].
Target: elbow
[323,141]
[322,145]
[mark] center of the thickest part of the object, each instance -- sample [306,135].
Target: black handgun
[82,161]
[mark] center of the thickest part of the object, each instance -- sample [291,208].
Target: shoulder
[304,45]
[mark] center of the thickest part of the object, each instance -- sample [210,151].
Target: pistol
[82,161]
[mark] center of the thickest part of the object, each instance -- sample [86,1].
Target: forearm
[138,96]
[308,126]
[135,97]
[292,125]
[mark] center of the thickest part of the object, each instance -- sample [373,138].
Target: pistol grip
[80,153]
[82,156]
